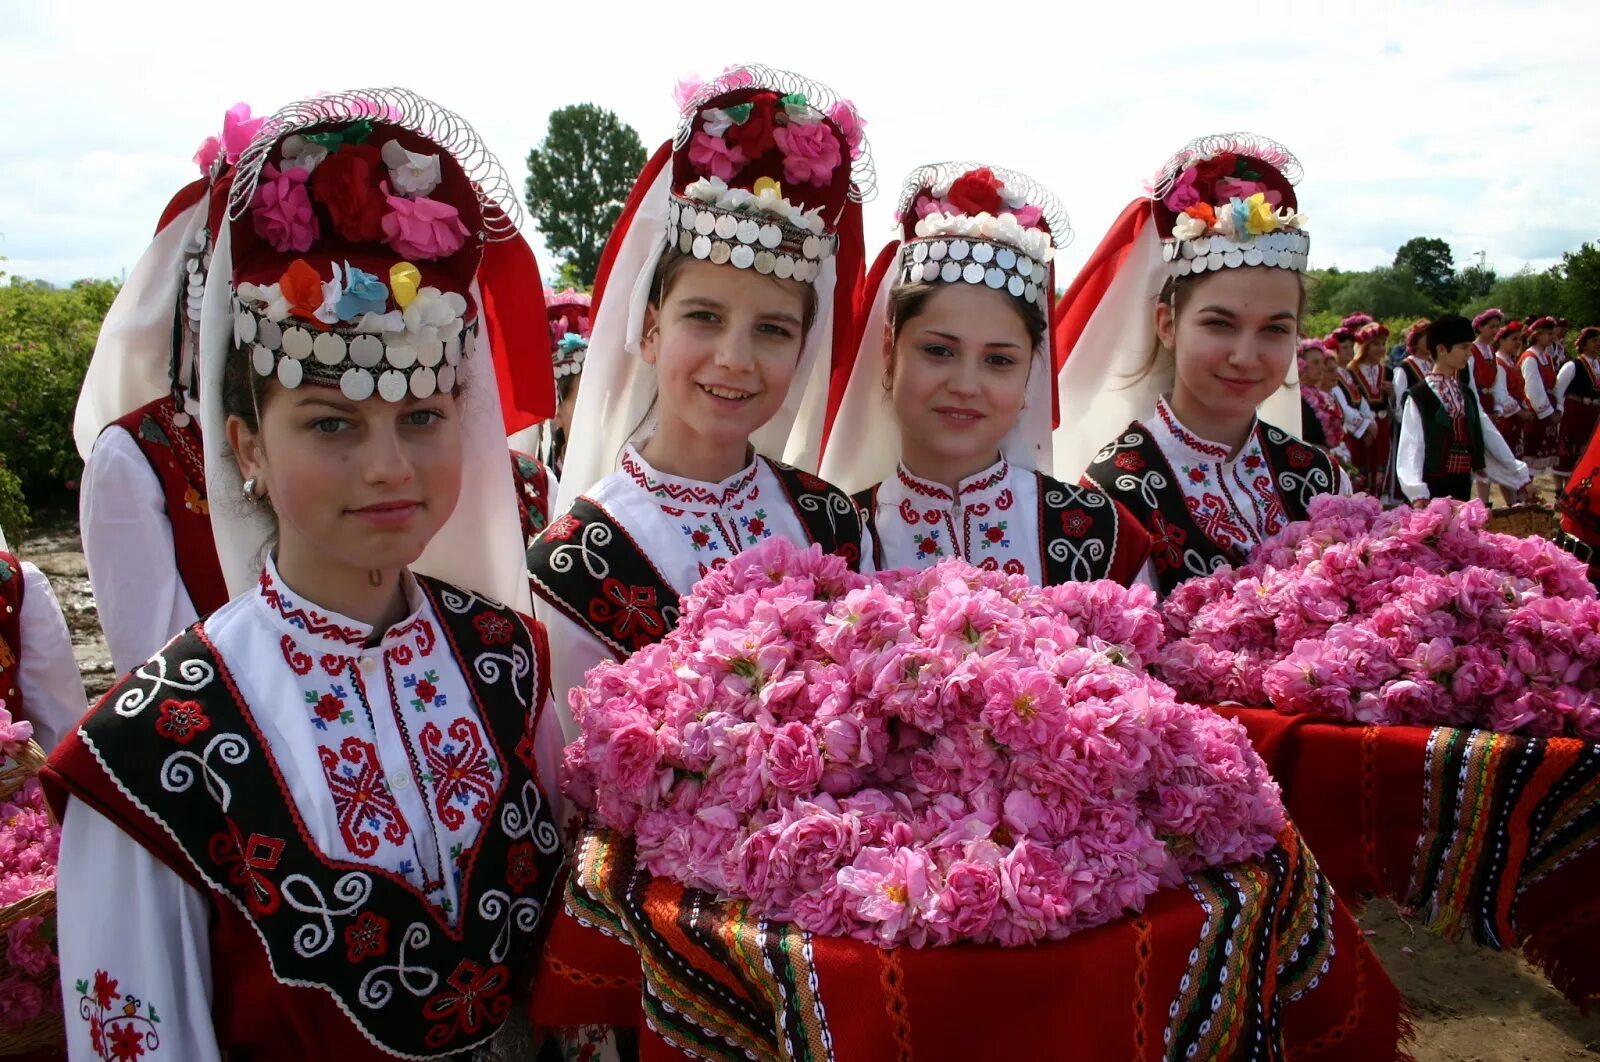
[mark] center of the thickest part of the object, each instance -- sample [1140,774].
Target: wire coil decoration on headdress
[863,175]
[1252,144]
[502,214]
[1035,194]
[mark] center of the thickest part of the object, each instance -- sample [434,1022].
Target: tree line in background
[1424,281]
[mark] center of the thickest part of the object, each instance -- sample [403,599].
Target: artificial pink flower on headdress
[810,153]
[684,93]
[422,228]
[238,129]
[715,156]
[850,123]
[1184,192]
[282,213]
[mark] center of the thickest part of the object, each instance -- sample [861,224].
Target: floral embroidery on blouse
[122,1027]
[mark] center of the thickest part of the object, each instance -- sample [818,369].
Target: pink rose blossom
[810,153]
[281,211]
[715,157]
[422,229]
[238,129]
[850,123]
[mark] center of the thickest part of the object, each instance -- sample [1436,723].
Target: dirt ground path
[1471,1004]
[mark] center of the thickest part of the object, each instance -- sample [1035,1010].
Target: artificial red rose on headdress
[1214,169]
[976,192]
[754,135]
[301,287]
[346,183]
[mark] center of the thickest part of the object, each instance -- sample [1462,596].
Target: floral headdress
[975,224]
[1540,323]
[1491,314]
[763,164]
[569,329]
[1506,331]
[1356,322]
[356,238]
[1228,201]
[1587,333]
[1418,329]
[1373,330]
[1332,341]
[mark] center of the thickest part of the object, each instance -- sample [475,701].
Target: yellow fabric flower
[1262,217]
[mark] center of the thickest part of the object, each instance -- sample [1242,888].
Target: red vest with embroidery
[1484,371]
[11,590]
[533,494]
[1083,534]
[313,957]
[178,459]
[1514,381]
[1547,371]
[1135,472]
[588,566]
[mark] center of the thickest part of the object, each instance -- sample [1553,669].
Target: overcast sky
[1474,122]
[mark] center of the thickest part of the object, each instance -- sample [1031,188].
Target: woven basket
[1523,521]
[47,1030]
[15,772]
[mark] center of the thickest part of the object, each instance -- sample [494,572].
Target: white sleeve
[127,541]
[1412,454]
[1401,384]
[1502,394]
[551,485]
[573,651]
[1147,577]
[1533,383]
[52,689]
[1356,418]
[1499,462]
[1341,481]
[131,932]
[1564,378]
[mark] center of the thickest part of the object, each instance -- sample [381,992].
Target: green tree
[46,337]
[578,181]
[1325,286]
[1475,282]
[1581,293]
[1382,292]
[1428,259]
[1524,293]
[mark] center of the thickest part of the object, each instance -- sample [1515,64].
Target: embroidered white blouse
[1533,382]
[1231,496]
[991,521]
[684,526]
[51,685]
[1500,463]
[388,763]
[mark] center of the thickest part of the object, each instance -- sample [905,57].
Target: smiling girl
[320,824]
[723,284]
[957,348]
[1208,478]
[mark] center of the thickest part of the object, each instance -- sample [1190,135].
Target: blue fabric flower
[571,343]
[1241,220]
[363,293]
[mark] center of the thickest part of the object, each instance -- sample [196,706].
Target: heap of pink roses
[29,847]
[1411,616]
[916,757]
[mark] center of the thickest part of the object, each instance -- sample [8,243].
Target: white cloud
[1410,119]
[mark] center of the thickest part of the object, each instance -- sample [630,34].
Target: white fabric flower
[410,173]
[1225,224]
[268,300]
[811,221]
[715,121]
[1291,219]
[302,154]
[707,190]
[379,323]
[1188,227]
[434,316]
[1036,244]
[328,312]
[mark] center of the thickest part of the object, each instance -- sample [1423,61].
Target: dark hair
[908,301]
[1176,292]
[244,391]
[671,264]
[1447,330]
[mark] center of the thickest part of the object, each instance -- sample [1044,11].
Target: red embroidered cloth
[1256,960]
[1487,834]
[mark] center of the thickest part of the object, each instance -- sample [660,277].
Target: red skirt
[1541,439]
[1510,429]
[1577,427]
[1371,456]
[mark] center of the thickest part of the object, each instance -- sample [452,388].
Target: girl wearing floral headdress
[143,506]
[1578,395]
[956,346]
[1325,413]
[1537,364]
[536,476]
[726,279]
[321,823]
[1194,334]
[39,681]
[1489,379]
[1363,384]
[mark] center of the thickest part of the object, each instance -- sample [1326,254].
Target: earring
[250,490]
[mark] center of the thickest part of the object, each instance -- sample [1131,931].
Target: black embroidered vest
[1135,472]
[1440,432]
[588,566]
[175,737]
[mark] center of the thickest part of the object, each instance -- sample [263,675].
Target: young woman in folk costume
[1558,339]
[1446,437]
[728,276]
[1489,380]
[1192,336]
[1537,364]
[1363,390]
[39,679]
[1578,395]
[537,476]
[321,823]
[944,425]
[1325,415]
[143,505]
